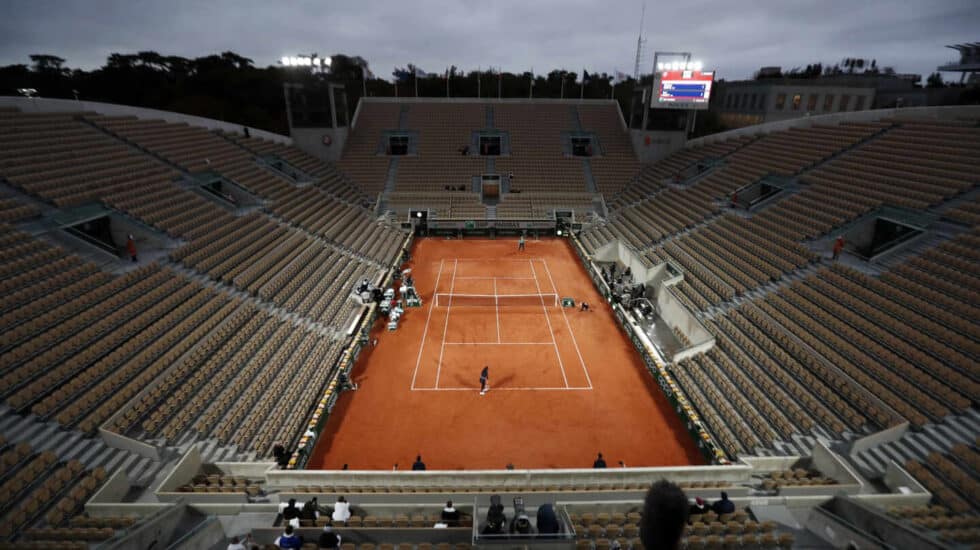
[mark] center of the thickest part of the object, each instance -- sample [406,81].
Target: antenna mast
[639,44]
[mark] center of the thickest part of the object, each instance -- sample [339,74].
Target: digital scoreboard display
[683,89]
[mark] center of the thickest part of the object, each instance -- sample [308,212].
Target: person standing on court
[520,243]
[484,380]
[418,464]
[599,462]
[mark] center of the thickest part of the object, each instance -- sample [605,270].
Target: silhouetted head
[665,512]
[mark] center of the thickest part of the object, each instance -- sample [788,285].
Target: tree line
[230,87]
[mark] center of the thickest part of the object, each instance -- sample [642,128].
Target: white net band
[495,300]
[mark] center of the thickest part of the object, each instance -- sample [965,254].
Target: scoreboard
[682,89]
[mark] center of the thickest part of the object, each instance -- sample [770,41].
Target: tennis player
[484,380]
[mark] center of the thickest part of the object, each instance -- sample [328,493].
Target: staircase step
[952,435]
[112,459]
[45,438]
[873,464]
[880,457]
[957,426]
[89,454]
[917,449]
[926,442]
[68,443]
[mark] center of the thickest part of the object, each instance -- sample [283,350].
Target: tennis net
[444,299]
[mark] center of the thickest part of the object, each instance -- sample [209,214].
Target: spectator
[664,515]
[328,539]
[698,508]
[291,511]
[418,465]
[521,525]
[838,246]
[341,510]
[247,133]
[723,506]
[311,510]
[547,521]
[279,453]
[495,517]
[450,515]
[599,462]
[131,247]
[289,540]
[236,543]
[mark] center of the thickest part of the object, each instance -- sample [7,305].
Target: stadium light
[27,92]
[312,61]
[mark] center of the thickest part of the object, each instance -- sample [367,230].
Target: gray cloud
[735,37]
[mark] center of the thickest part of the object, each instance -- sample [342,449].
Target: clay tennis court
[565,384]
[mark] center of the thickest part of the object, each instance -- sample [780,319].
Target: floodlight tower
[639,44]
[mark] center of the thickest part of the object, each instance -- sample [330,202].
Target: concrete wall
[676,315]
[251,470]
[205,537]
[155,532]
[901,483]
[878,438]
[832,465]
[871,520]
[662,143]
[618,251]
[914,113]
[310,140]
[433,479]
[119,441]
[114,489]
[183,473]
[48,105]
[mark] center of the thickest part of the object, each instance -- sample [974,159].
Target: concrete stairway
[938,437]
[392,175]
[72,444]
[590,185]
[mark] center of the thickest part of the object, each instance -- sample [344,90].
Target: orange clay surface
[564,384]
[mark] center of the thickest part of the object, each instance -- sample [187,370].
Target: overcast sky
[735,37]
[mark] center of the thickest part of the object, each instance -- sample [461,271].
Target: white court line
[449,308]
[547,318]
[570,331]
[493,260]
[498,343]
[557,388]
[485,278]
[426,329]
[496,308]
